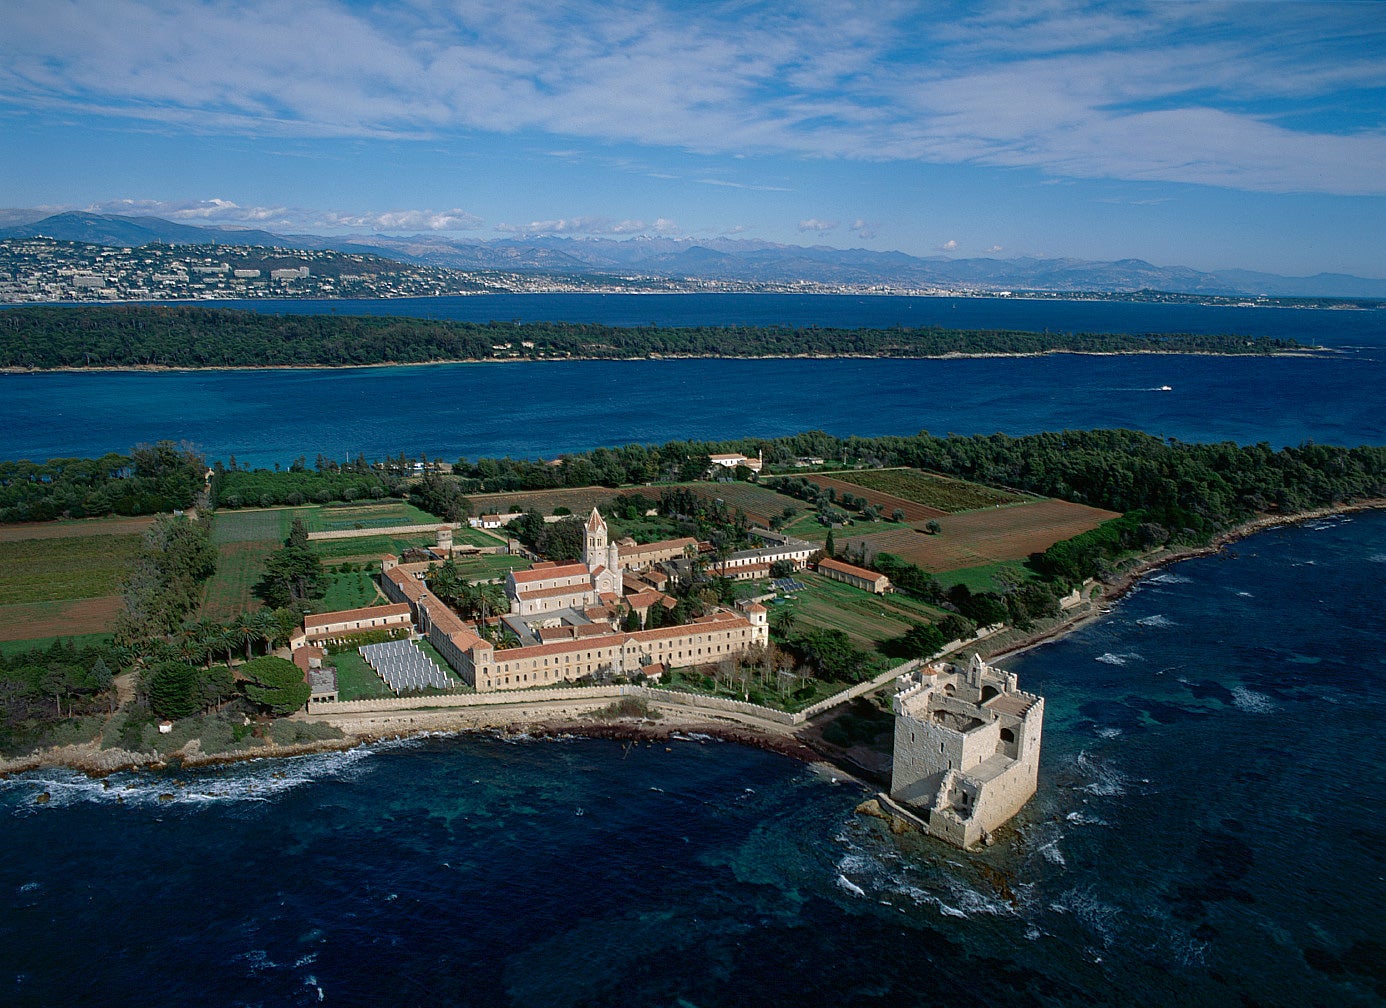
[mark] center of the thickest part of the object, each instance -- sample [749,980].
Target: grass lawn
[689,680]
[349,591]
[868,619]
[493,565]
[77,567]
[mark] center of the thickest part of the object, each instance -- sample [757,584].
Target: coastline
[584,718]
[1311,352]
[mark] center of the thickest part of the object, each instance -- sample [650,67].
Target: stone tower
[594,552]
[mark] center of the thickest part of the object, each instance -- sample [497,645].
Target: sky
[1240,135]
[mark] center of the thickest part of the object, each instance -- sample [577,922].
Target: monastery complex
[568,618]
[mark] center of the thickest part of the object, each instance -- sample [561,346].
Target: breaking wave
[1158,620]
[259,780]
[1109,658]
[1251,701]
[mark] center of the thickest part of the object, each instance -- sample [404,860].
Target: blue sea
[1210,828]
[451,411]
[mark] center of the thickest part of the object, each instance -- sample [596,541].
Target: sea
[1210,827]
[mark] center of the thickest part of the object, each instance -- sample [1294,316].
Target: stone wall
[362,533]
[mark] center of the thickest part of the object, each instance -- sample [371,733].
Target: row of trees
[152,478]
[42,336]
[176,558]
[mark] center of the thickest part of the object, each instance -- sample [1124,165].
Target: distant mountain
[719,259]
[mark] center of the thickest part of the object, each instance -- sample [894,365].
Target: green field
[381,514]
[984,578]
[230,591]
[268,525]
[810,529]
[12,647]
[54,570]
[757,502]
[368,547]
[942,492]
[868,619]
[349,590]
[492,565]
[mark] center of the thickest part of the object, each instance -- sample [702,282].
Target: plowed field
[34,620]
[975,538]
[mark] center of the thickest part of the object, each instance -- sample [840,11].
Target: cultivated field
[935,493]
[21,531]
[977,538]
[868,619]
[578,500]
[758,503]
[39,620]
[379,514]
[61,579]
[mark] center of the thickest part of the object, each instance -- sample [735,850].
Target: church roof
[595,522]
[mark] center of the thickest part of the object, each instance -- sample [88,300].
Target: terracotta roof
[656,547]
[595,522]
[846,568]
[756,607]
[350,615]
[548,570]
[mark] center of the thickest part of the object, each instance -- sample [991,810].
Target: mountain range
[717,259]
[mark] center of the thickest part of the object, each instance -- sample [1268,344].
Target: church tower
[594,553]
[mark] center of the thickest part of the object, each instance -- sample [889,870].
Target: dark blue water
[1209,831]
[534,410]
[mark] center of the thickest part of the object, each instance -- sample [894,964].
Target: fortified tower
[967,742]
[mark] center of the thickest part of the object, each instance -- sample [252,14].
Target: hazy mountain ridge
[713,259]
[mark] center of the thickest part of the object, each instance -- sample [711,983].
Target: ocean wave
[1245,594]
[258,780]
[843,882]
[1251,701]
[1377,558]
[1104,780]
[1109,658]
[1083,819]
[1098,916]
[1108,733]
[1166,578]
[1158,620]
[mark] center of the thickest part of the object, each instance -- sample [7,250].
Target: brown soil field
[886,502]
[974,538]
[31,620]
[19,531]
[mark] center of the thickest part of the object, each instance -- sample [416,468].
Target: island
[840,600]
[46,337]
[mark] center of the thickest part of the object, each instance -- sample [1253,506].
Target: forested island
[156,336]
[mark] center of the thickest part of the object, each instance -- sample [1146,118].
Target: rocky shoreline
[585,719]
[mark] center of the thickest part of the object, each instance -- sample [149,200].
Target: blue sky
[1209,135]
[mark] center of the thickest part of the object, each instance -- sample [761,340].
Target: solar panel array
[403,666]
[787,585]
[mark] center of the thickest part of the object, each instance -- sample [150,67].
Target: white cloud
[815,226]
[949,246]
[227,212]
[1208,93]
[863,229]
[588,226]
[993,250]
